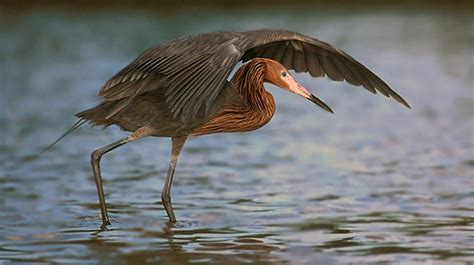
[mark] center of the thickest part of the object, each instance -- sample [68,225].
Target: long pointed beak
[298,89]
[320,103]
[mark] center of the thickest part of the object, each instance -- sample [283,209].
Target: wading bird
[180,89]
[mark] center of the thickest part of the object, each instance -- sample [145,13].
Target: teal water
[373,183]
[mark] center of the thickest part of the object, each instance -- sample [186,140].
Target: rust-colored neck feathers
[248,81]
[255,107]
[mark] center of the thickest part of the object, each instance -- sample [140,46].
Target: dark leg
[177,145]
[95,159]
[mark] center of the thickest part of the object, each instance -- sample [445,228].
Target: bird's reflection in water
[177,243]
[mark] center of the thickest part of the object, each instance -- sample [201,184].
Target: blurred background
[373,183]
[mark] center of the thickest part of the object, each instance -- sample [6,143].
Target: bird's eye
[283,74]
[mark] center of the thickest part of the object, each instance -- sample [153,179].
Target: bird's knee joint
[165,198]
[96,155]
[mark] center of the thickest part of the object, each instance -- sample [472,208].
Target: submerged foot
[104,225]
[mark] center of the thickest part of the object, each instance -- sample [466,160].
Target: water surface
[373,183]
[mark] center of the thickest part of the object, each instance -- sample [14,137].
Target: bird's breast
[237,119]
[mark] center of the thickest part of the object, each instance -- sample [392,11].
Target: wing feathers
[312,63]
[305,54]
[287,59]
[278,55]
[345,72]
[268,53]
[177,97]
[193,70]
[299,61]
[329,68]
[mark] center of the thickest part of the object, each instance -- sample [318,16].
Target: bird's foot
[104,225]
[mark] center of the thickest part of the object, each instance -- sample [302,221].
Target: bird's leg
[177,145]
[95,160]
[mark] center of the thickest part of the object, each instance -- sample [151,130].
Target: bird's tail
[76,125]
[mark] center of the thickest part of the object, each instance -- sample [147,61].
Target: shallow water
[373,183]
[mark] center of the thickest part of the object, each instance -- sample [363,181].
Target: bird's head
[278,75]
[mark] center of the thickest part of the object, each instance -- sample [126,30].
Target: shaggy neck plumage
[248,81]
[254,109]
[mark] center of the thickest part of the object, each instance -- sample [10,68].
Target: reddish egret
[180,88]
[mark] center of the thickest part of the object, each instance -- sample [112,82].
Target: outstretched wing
[192,70]
[305,54]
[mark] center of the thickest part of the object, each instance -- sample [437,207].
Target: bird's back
[151,109]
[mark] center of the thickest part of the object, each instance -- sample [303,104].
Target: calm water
[373,183]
